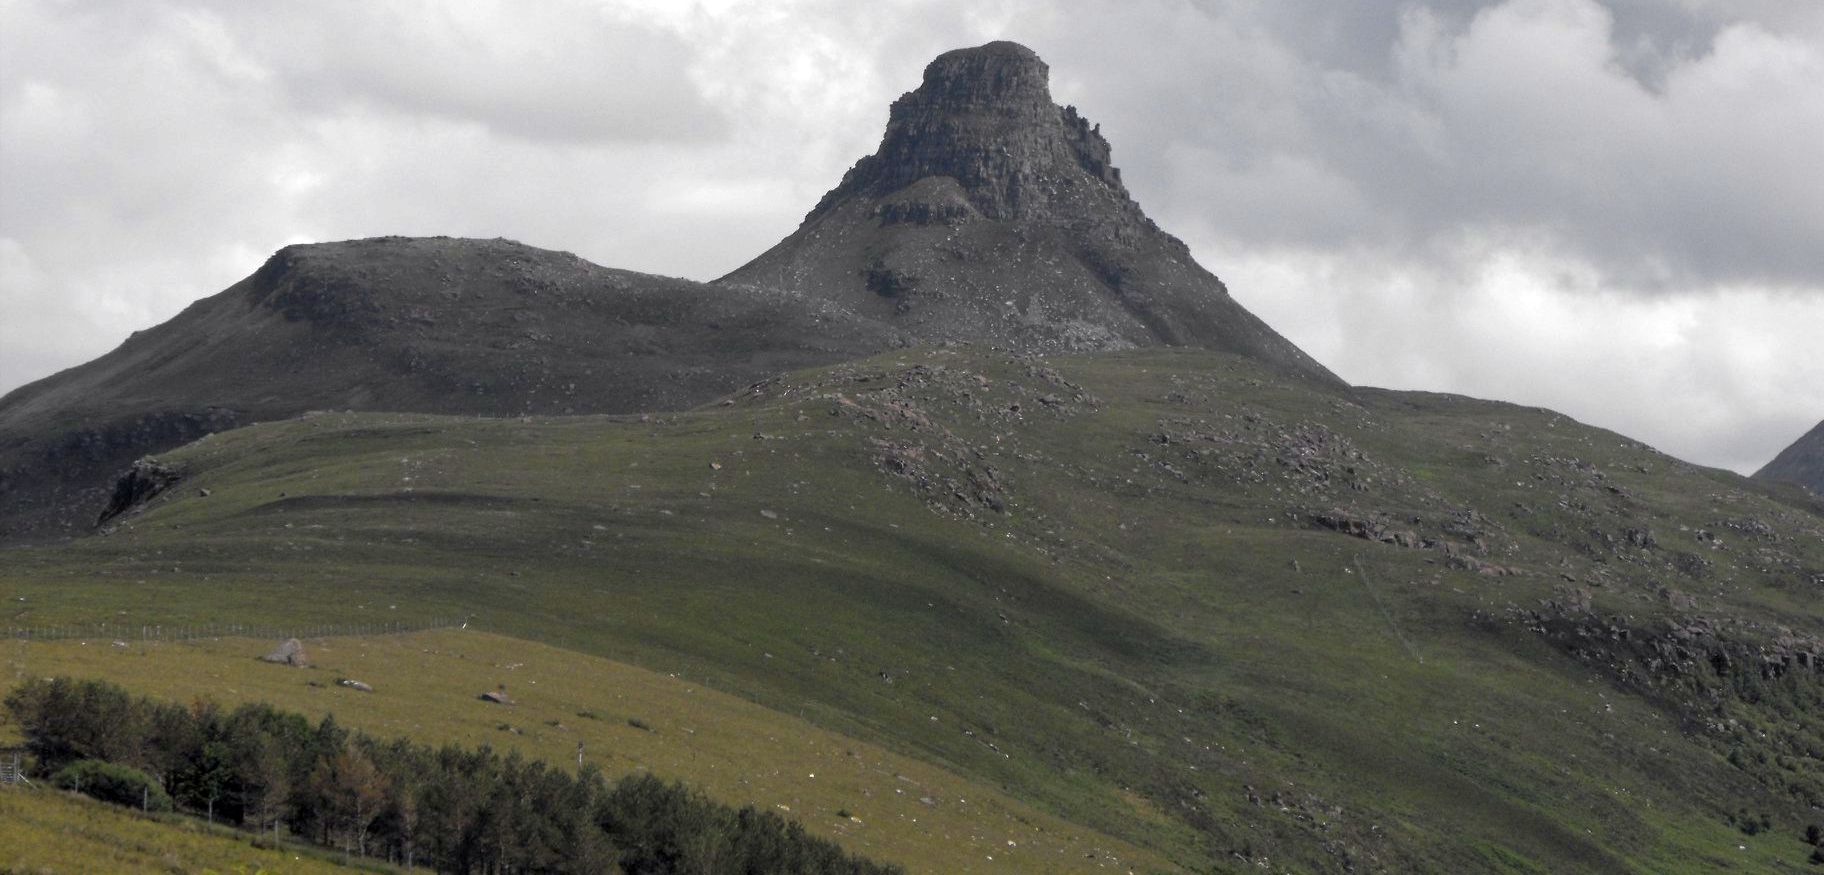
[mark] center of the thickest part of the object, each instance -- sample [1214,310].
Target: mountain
[991,214]
[1123,582]
[1802,463]
[486,327]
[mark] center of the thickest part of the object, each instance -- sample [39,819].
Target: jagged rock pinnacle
[984,117]
[990,214]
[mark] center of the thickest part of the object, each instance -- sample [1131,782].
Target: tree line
[454,809]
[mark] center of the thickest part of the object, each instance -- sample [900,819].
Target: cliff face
[991,214]
[984,118]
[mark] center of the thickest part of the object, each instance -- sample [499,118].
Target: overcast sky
[1614,208]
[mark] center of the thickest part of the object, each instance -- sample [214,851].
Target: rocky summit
[984,118]
[991,214]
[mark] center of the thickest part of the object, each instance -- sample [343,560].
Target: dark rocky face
[991,214]
[1802,463]
[985,118]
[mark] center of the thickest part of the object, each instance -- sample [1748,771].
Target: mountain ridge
[435,325]
[988,215]
[1801,463]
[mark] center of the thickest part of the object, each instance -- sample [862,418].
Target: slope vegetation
[1165,595]
[621,718]
[50,831]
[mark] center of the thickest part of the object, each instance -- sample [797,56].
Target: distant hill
[487,327]
[991,214]
[1802,463]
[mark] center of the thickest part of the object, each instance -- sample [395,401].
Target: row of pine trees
[451,809]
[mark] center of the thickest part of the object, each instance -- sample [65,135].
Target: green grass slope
[48,832]
[623,719]
[1163,595]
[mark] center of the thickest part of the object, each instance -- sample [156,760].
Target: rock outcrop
[146,479]
[289,652]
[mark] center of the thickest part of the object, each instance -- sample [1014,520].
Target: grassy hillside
[426,687]
[1161,595]
[50,832]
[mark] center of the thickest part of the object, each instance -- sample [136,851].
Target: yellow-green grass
[427,687]
[52,832]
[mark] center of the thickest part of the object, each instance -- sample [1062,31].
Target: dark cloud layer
[1666,146]
[1612,208]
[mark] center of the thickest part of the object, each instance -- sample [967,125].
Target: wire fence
[186,632]
[10,771]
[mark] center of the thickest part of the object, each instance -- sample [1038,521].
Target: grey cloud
[564,71]
[127,163]
[155,153]
[1509,118]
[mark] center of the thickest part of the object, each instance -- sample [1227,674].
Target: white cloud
[1710,376]
[559,70]
[1713,176]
